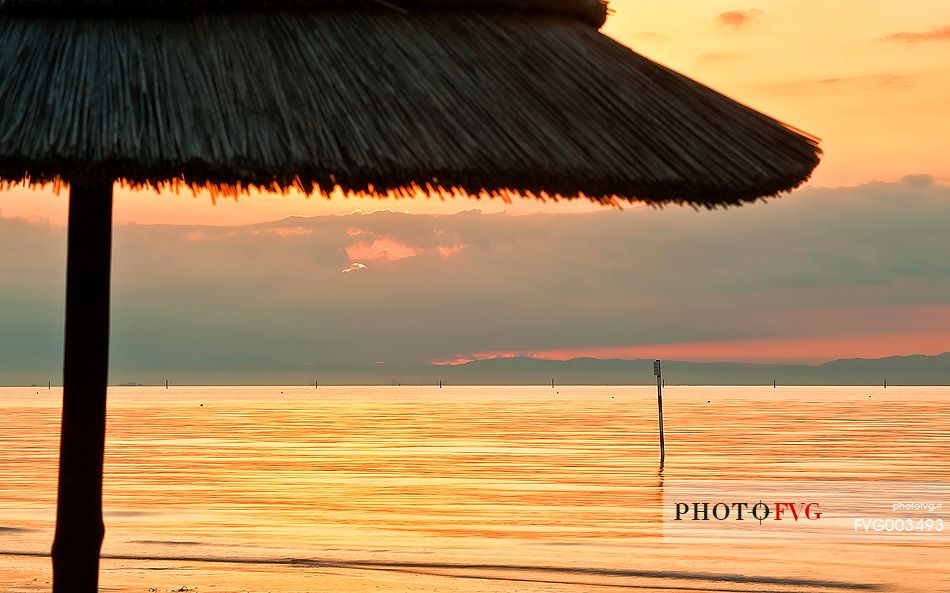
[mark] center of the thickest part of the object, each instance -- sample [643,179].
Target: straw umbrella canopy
[394,97]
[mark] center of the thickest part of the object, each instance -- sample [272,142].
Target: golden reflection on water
[515,476]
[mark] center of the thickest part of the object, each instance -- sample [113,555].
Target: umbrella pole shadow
[79,525]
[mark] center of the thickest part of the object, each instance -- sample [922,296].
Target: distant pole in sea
[440,383]
[315,384]
[885,383]
[51,385]
[659,406]
[552,383]
[166,383]
[773,383]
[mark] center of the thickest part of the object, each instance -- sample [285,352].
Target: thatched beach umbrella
[395,96]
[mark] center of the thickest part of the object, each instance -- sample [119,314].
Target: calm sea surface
[469,488]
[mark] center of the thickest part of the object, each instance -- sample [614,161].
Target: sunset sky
[869,77]
[865,272]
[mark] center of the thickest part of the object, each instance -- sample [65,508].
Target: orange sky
[870,77]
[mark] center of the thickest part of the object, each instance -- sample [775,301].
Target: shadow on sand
[674,580]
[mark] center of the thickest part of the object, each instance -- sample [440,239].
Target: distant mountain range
[896,370]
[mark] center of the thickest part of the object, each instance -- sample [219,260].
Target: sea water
[471,488]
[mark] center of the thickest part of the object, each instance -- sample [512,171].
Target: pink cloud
[941,34]
[288,231]
[477,356]
[453,362]
[651,36]
[211,236]
[384,249]
[737,19]
[450,250]
[712,58]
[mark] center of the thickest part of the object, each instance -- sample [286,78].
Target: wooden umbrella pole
[79,526]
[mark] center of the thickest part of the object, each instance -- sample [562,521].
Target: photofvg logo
[747,511]
[906,517]
[702,511]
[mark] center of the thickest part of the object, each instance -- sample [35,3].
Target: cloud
[450,250]
[289,231]
[869,81]
[354,267]
[384,249]
[826,265]
[941,34]
[713,58]
[651,36]
[858,83]
[737,19]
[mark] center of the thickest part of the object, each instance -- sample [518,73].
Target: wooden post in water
[773,383]
[552,383]
[440,383]
[166,383]
[659,404]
